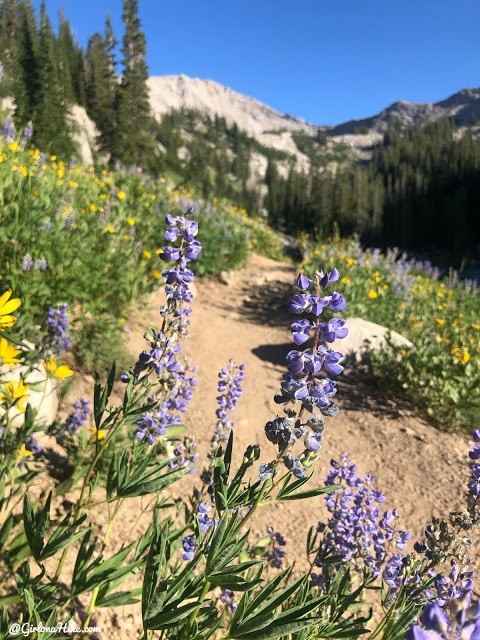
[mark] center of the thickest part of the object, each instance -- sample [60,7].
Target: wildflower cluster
[57,339]
[29,264]
[303,383]
[276,552]
[230,390]
[79,416]
[357,530]
[162,358]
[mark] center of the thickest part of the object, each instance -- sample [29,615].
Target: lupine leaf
[155,572]
[275,631]
[233,582]
[217,541]
[266,591]
[168,618]
[119,598]
[310,493]
[63,536]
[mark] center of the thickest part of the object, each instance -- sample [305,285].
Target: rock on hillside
[209,97]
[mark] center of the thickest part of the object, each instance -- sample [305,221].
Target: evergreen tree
[101,87]
[135,143]
[25,87]
[50,128]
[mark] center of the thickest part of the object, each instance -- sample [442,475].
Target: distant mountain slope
[464,106]
[209,97]
[278,131]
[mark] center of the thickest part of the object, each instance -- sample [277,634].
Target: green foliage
[440,373]
[418,191]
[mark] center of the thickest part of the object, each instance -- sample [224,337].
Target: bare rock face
[45,401]
[364,335]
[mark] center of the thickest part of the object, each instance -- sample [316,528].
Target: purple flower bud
[303,282]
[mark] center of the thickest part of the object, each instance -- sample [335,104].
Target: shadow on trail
[266,303]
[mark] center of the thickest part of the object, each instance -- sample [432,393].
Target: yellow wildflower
[372,294]
[14,146]
[403,353]
[147,254]
[73,184]
[63,371]
[110,229]
[346,280]
[156,274]
[6,308]
[99,435]
[440,320]
[93,207]
[15,394]
[8,353]
[23,453]
[121,195]
[385,286]
[60,173]
[53,158]
[131,221]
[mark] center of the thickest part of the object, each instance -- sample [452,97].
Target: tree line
[420,189]
[46,72]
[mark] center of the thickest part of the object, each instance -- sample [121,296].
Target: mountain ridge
[256,118]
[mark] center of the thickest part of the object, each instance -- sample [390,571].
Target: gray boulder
[364,335]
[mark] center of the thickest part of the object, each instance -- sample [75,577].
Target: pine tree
[50,128]
[25,86]
[101,87]
[134,140]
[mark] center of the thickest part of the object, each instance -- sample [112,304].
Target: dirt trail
[421,470]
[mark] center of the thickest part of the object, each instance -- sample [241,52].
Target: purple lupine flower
[40,263]
[326,278]
[230,389]
[27,133]
[32,446]
[301,331]
[302,382]
[292,462]
[57,339]
[436,624]
[303,282]
[79,416]
[27,262]
[162,358]
[8,130]
[275,553]
[203,519]
[149,427]
[184,455]
[46,225]
[189,547]
[228,597]
[335,329]
[357,530]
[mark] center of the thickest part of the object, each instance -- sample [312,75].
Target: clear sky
[325,61]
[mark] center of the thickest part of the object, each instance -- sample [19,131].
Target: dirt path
[421,470]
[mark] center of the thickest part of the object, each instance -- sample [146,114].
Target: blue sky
[323,61]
